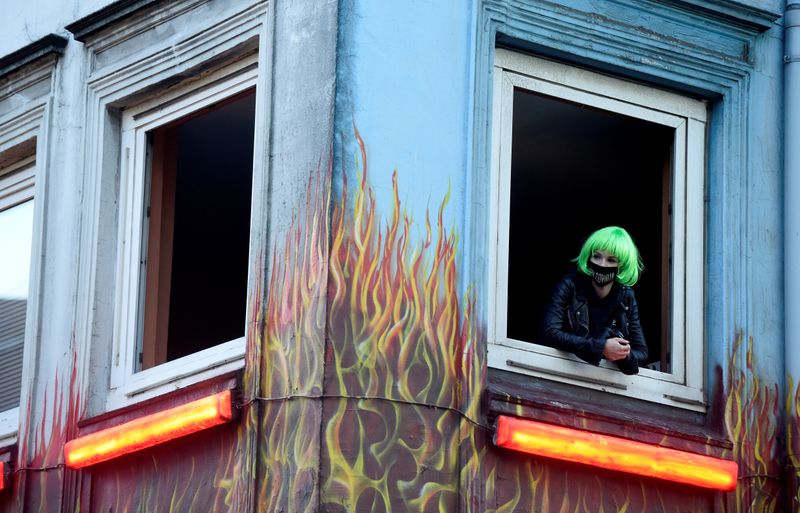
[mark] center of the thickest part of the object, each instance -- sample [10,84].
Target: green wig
[614,240]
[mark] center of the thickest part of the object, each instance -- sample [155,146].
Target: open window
[574,151]
[16,241]
[186,186]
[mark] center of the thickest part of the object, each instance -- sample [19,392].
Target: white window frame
[17,185]
[684,387]
[126,385]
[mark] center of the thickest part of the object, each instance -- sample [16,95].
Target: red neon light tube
[614,453]
[3,476]
[148,431]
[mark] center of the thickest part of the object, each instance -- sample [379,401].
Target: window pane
[201,173]
[16,230]
[576,169]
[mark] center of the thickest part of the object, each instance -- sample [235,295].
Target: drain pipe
[791,262]
[791,148]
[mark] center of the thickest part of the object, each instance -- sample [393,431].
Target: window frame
[127,386]
[18,185]
[684,387]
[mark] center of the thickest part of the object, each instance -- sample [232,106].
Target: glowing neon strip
[614,453]
[148,431]
[2,475]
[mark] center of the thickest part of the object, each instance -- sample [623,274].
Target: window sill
[9,423]
[528,397]
[544,362]
[195,368]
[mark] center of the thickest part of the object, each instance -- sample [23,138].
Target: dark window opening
[576,169]
[195,278]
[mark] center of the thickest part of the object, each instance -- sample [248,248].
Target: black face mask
[602,275]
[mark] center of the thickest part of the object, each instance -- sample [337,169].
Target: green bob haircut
[614,240]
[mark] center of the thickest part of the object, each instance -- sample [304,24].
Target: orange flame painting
[401,369]
[362,389]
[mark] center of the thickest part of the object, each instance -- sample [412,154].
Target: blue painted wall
[404,79]
[415,79]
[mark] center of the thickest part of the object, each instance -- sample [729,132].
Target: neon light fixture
[3,476]
[614,453]
[148,431]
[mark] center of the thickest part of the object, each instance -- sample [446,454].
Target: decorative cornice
[617,41]
[239,31]
[741,13]
[89,25]
[50,44]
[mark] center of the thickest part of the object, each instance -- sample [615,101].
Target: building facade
[333,226]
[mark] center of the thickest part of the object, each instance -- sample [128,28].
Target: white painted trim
[502,217]
[695,254]
[601,85]
[21,125]
[494,209]
[194,368]
[587,97]
[566,368]
[127,77]
[17,183]
[9,423]
[679,226]
[129,84]
[16,127]
[126,384]
[683,387]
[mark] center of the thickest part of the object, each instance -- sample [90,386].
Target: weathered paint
[403,75]
[34,20]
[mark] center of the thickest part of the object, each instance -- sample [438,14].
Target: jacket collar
[584,290]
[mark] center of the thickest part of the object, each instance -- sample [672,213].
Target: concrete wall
[26,22]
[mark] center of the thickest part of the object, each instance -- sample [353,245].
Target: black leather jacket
[566,323]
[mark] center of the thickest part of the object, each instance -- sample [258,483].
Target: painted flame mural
[291,362]
[403,374]
[793,446]
[362,390]
[752,420]
[39,486]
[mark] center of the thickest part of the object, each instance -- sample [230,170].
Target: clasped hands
[616,348]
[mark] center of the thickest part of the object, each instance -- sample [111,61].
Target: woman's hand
[616,349]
